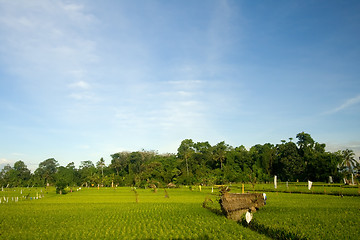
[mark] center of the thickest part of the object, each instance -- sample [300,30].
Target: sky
[81,80]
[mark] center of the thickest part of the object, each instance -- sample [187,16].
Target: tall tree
[136,160]
[87,172]
[120,162]
[348,160]
[64,176]
[101,164]
[263,156]
[22,173]
[289,165]
[219,151]
[305,140]
[6,175]
[185,151]
[47,170]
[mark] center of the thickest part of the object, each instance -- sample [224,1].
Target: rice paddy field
[126,213]
[309,216]
[294,187]
[116,214]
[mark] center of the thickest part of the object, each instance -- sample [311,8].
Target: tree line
[195,163]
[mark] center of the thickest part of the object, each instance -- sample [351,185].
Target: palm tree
[348,161]
[101,164]
[219,152]
[185,151]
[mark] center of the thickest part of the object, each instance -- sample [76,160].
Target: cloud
[353,145]
[4,161]
[186,82]
[348,103]
[80,84]
[73,7]
[80,96]
[42,41]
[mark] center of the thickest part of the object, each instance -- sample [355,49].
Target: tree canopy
[194,163]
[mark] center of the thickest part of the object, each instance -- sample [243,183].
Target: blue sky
[80,80]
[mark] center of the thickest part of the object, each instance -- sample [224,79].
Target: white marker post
[275,181]
[265,198]
[248,217]
[309,184]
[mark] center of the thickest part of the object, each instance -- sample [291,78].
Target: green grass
[310,216]
[304,216]
[317,188]
[114,214]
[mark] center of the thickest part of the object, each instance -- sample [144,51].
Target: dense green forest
[195,163]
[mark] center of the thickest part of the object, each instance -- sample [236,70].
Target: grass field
[125,214]
[317,188]
[310,216]
[114,214]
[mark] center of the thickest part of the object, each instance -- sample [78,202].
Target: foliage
[348,161]
[19,175]
[196,163]
[47,170]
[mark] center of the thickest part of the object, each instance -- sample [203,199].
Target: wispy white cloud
[82,96]
[77,73]
[353,145]
[4,161]
[348,103]
[148,79]
[41,40]
[51,49]
[185,82]
[73,7]
[80,84]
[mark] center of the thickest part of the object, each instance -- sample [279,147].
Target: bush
[60,187]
